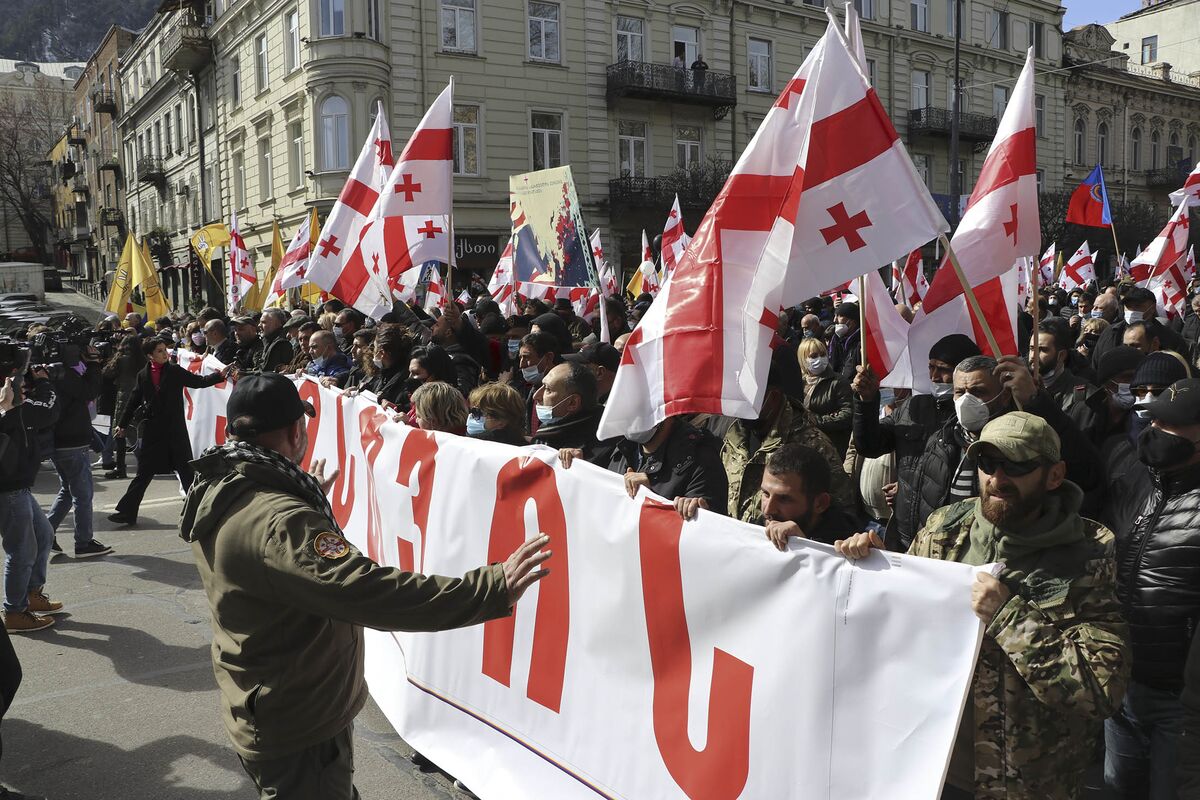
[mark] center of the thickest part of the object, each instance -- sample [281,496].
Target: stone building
[1162,31]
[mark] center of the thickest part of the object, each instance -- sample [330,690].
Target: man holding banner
[290,596]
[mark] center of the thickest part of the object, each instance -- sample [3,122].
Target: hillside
[65,30]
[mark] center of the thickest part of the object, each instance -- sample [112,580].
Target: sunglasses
[1142,391]
[1013,469]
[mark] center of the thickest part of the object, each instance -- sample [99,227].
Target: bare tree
[30,123]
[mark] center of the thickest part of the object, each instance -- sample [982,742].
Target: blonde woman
[1089,334]
[440,406]
[827,394]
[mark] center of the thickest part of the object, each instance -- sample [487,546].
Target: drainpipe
[733,146]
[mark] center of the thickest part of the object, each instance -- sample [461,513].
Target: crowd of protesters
[1075,465]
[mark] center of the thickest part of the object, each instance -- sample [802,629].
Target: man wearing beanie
[1107,409]
[1054,660]
[845,346]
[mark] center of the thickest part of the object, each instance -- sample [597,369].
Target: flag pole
[1035,270]
[862,320]
[972,300]
[450,219]
[1116,247]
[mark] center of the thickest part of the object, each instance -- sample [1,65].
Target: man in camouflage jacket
[1054,660]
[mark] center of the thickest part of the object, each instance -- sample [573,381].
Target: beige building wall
[1165,33]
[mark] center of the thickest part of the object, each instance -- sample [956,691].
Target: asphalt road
[118,698]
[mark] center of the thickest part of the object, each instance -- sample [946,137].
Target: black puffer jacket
[831,402]
[75,391]
[687,464]
[1188,774]
[1158,577]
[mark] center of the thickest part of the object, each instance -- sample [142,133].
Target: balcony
[80,184]
[111,218]
[75,135]
[664,82]
[108,162]
[104,102]
[1168,177]
[932,121]
[186,47]
[695,193]
[150,170]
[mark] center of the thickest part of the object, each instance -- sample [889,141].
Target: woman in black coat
[163,446]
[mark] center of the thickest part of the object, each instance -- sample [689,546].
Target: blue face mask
[475,426]
[1095,313]
[545,414]
[514,346]
[318,362]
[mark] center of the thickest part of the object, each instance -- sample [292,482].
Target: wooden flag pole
[1035,270]
[1116,247]
[972,300]
[862,321]
[450,295]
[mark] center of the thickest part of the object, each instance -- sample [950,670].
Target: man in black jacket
[845,347]
[249,345]
[220,346]
[1140,304]
[77,384]
[26,533]
[277,348]
[1049,354]
[1158,584]
[796,500]
[676,461]
[568,414]
[445,333]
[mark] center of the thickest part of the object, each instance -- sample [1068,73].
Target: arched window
[1191,149]
[1174,140]
[1079,132]
[1155,150]
[335,133]
[1102,143]
[1135,148]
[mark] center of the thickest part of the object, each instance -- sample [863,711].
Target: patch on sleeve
[330,545]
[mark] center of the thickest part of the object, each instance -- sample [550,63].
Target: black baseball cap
[1179,404]
[262,402]
[243,319]
[598,353]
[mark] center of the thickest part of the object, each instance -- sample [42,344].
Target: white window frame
[291,39]
[1135,148]
[923,164]
[459,138]
[374,21]
[266,171]
[1150,49]
[997,31]
[688,152]
[920,91]
[331,18]
[630,39]
[465,17]
[179,127]
[235,80]
[687,59]
[628,145]
[335,135]
[546,26]
[1102,143]
[1079,141]
[295,132]
[764,65]
[865,8]
[1039,115]
[238,168]
[262,64]
[1000,98]
[547,135]
[918,15]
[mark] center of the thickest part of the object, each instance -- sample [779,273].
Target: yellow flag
[634,287]
[145,276]
[208,239]
[118,293]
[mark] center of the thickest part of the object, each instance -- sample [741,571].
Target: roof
[56,69]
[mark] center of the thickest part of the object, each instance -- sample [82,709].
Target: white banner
[659,659]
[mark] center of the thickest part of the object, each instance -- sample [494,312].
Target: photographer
[122,371]
[27,407]
[77,383]
[164,446]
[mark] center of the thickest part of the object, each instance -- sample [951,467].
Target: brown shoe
[24,622]
[39,603]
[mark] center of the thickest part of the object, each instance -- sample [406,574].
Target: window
[465,135]
[1102,143]
[191,111]
[296,155]
[373,20]
[687,146]
[921,162]
[1039,114]
[266,177]
[1041,181]
[291,38]
[543,32]
[458,25]
[1155,147]
[951,18]
[865,8]
[235,80]
[920,15]
[178,128]
[759,55]
[1135,148]
[158,150]
[333,17]
[261,75]
[631,37]
[1079,139]
[1037,39]
[920,89]
[335,133]
[999,101]
[167,135]
[631,149]
[997,29]
[239,180]
[685,45]
[871,70]
[1149,49]
[546,132]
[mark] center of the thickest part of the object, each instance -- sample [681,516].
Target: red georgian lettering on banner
[419,448]
[521,480]
[311,392]
[720,770]
[370,420]
[342,496]
[219,432]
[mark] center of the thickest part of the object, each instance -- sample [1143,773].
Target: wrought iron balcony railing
[665,82]
[937,121]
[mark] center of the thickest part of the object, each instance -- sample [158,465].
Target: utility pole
[955,108]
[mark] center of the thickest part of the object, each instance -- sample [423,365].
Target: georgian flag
[1190,190]
[911,285]
[293,269]
[824,192]
[1080,269]
[435,291]
[242,275]
[502,286]
[1167,248]
[1171,286]
[674,239]
[886,332]
[1046,266]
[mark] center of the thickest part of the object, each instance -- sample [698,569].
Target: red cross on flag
[1166,249]
[329,265]
[502,286]
[825,157]
[1080,269]
[886,332]
[1171,286]
[674,239]
[293,268]
[1046,266]
[242,276]
[1190,190]
[435,292]
[911,284]
[421,181]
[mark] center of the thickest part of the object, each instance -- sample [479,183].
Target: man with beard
[1053,664]
[1049,354]
[796,500]
[446,329]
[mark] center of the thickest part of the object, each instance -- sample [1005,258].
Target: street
[118,699]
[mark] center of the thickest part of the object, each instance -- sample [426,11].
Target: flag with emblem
[122,286]
[1190,190]
[1080,269]
[329,266]
[1167,248]
[1089,202]
[242,276]
[824,192]
[674,239]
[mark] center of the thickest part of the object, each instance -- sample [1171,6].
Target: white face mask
[1141,405]
[378,362]
[841,329]
[1132,316]
[943,390]
[972,412]
[817,364]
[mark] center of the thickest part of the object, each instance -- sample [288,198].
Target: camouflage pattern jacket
[1054,662]
[745,466]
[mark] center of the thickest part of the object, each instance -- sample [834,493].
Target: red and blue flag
[1089,203]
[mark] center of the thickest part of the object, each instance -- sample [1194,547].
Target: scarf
[1058,524]
[306,486]
[156,371]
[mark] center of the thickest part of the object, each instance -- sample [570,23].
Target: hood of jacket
[218,484]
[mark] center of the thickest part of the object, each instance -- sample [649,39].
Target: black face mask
[1162,450]
[411,384]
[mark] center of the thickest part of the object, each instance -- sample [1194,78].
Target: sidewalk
[81,304]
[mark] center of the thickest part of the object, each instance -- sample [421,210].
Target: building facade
[1163,32]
